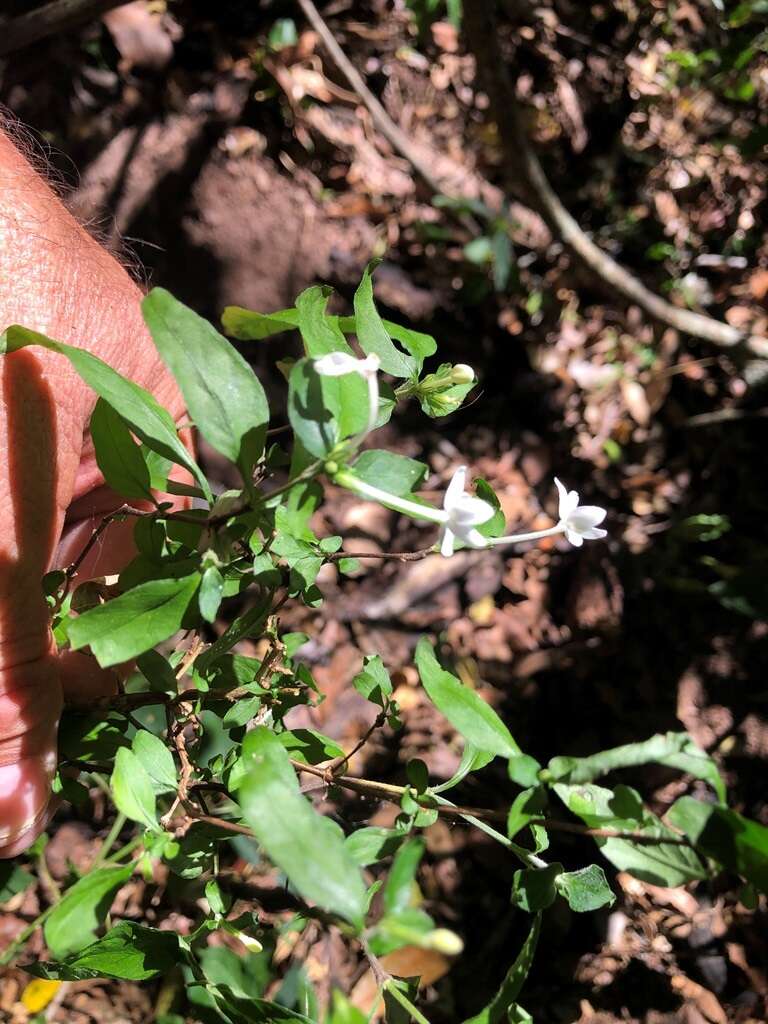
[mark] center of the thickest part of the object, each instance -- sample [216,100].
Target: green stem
[396,993]
[109,842]
[393,501]
[530,860]
[306,474]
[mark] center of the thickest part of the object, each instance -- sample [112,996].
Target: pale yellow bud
[444,941]
[462,374]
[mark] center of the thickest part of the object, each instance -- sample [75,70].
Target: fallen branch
[394,135]
[481,32]
[482,38]
[53,17]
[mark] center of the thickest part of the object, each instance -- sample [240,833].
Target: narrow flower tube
[414,509]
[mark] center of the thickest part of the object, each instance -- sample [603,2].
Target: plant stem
[517,538]
[391,986]
[109,842]
[408,508]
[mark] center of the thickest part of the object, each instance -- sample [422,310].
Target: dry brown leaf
[408,962]
[141,37]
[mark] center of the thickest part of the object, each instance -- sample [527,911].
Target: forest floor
[235,169]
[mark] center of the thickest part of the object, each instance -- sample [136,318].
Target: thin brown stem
[397,556]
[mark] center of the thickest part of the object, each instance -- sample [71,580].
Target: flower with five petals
[578,522]
[464,513]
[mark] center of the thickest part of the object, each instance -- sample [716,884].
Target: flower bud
[444,941]
[462,374]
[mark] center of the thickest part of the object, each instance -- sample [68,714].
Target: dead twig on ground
[526,172]
[57,16]
[528,175]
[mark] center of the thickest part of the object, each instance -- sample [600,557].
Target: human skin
[54,278]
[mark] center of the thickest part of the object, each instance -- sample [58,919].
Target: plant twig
[50,19]
[387,791]
[398,556]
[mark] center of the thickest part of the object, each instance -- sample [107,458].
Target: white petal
[568,502]
[455,489]
[336,364]
[594,533]
[475,539]
[470,511]
[574,538]
[591,515]
[446,543]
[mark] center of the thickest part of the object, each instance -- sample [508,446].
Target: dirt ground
[230,171]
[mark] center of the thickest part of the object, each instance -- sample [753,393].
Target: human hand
[54,278]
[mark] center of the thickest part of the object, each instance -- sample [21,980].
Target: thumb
[37,469]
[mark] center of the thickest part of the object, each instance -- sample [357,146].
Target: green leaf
[736,842]
[373,681]
[372,844]
[343,1012]
[132,790]
[256,1011]
[82,910]
[372,334]
[224,397]
[501,1008]
[533,889]
[312,407]
[398,889]
[524,770]
[13,880]
[526,807]
[135,621]
[146,418]
[157,761]
[585,889]
[120,459]
[246,325]
[467,713]
[389,471]
[297,508]
[472,760]
[129,951]
[497,523]
[420,345]
[321,334]
[310,746]
[301,558]
[656,861]
[211,590]
[673,749]
[308,847]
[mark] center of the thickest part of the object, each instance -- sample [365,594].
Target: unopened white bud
[444,941]
[462,374]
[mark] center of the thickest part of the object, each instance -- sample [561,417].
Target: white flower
[578,522]
[338,364]
[464,513]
